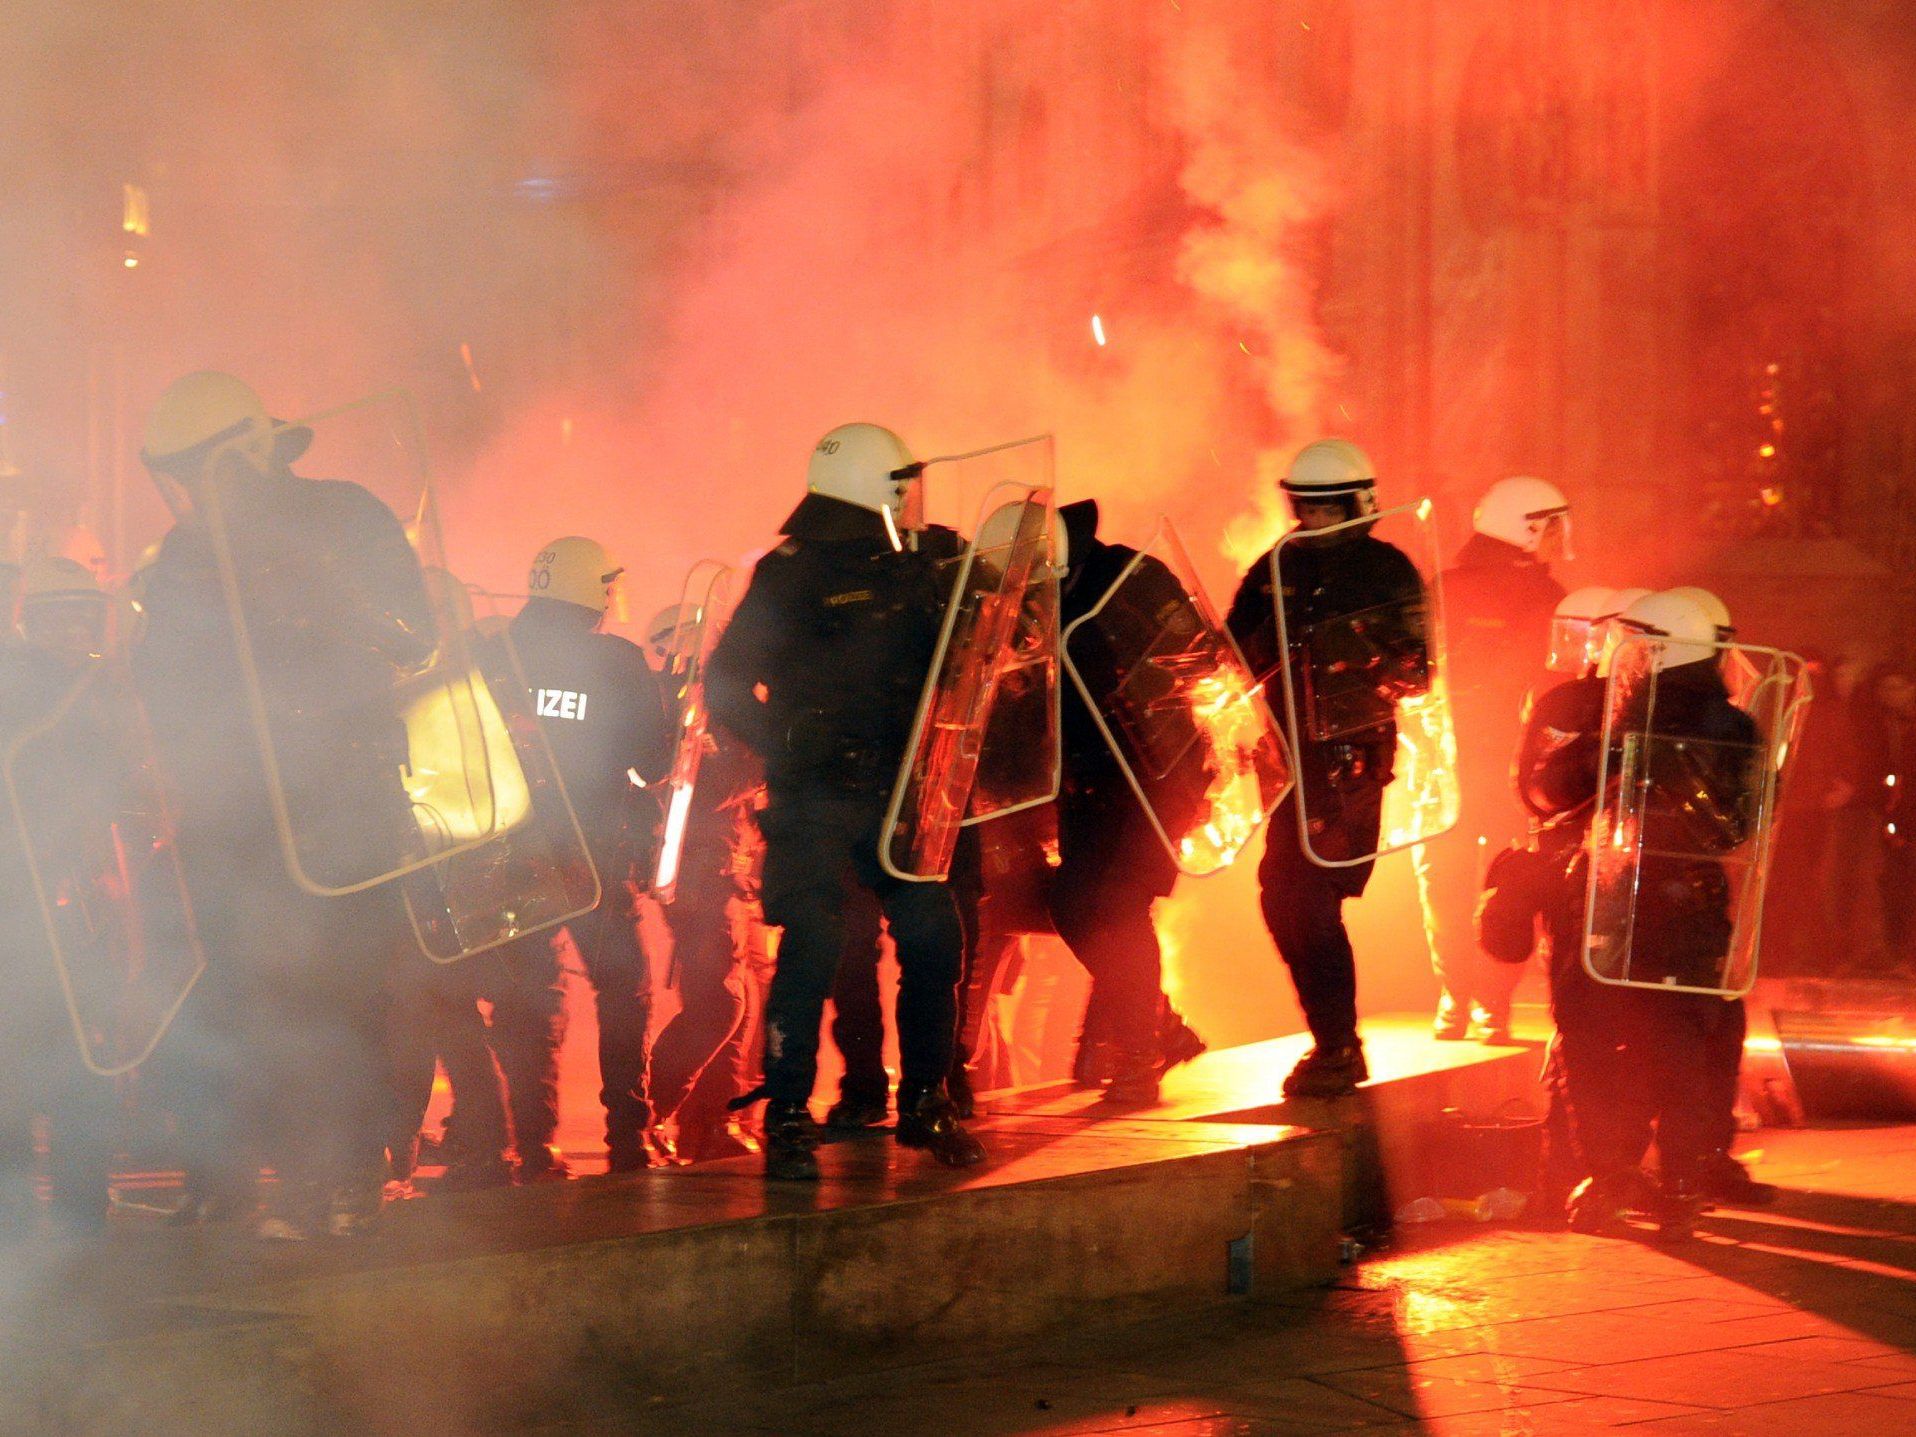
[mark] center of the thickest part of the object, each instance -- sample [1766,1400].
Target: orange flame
[1221,703]
[1424,800]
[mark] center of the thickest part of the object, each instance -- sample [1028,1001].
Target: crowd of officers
[309,1043]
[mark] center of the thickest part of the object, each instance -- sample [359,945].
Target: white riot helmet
[574,570]
[668,629]
[1718,611]
[62,605]
[1520,511]
[1624,598]
[1605,637]
[1577,627]
[1000,530]
[866,465]
[1328,469]
[1686,628]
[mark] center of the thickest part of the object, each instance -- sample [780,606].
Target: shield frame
[1185,573]
[528,739]
[1044,581]
[1443,735]
[1043,495]
[1769,670]
[94,1062]
[693,721]
[424,532]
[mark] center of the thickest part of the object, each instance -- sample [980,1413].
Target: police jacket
[1095,567]
[336,613]
[72,752]
[838,629]
[601,708]
[1498,605]
[1555,768]
[1704,792]
[1330,581]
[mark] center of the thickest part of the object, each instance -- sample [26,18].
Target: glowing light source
[1221,706]
[464,777]
[132,261]
[1097,329]
[134,216]
[673,844]
[1424,800]
[1766,451]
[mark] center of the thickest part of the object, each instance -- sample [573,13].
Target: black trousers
[1303,906]
[858,1012]
[711,993]
[41,1074]
[1112,869]
[435,1022]
[1638,1063]
[818,844]
[528,1021]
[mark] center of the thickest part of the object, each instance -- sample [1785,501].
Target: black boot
[1328,1072]
[852,1114]
[1135,1083]
[791,1143]
[1720,1178]
[1093,1064]
[1679,1204]
[927,1120]
[1597,1204]
[964,1102]
[1180,1040]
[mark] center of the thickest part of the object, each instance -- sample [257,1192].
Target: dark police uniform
[70,781]
[285,1032]
[706,962]
[839,630]
[1554,772]
[1112,865]
[1635,1060]
[601,709]
[1498,604]
[1302,902]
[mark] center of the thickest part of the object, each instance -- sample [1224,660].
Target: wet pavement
[1796,1319]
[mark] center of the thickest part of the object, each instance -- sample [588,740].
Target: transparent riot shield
[359,696]
[1365,695]
[1181,712]
[482,769]
[998,637]
[1681,841]
[102,890]
[1022,760]
[703,599]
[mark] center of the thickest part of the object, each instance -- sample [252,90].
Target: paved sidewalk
[1801,1319]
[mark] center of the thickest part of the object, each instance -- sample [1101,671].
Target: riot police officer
[1638,1059]
[1498,602]
[838,631]
[1111,864]
[335,614]
[707,965]
[602,711]
[1330,483]
[68,779]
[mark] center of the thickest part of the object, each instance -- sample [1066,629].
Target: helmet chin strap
[891,529]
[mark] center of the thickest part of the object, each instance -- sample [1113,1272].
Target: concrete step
[491,1311]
